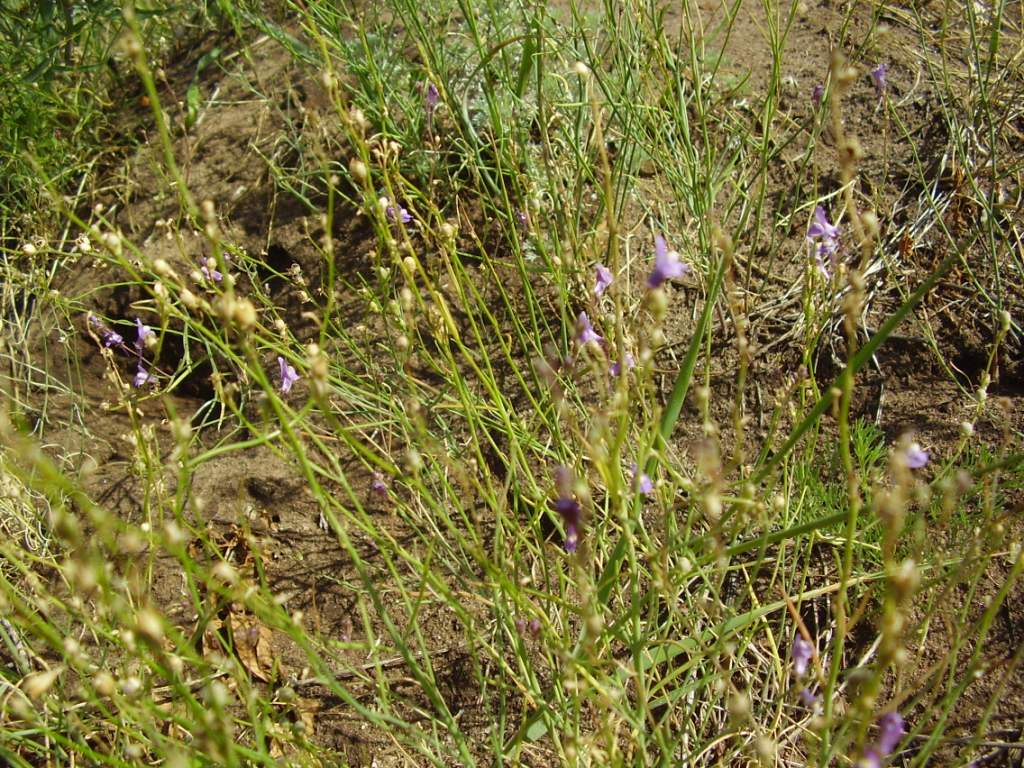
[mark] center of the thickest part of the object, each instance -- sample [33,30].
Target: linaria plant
[637,400]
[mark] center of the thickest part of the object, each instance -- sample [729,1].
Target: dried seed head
[244,314]
[173,535]
[851,150]
[36,685]
[149,626]
[414,460]
[406,296]
[739,705]
[359,119]
[225,573]
[163,268]
[657,303]
[871,224]
[905,578]
[131,686]
[765,749]
[112,241]
[103,683]
[217,695]
[358,170]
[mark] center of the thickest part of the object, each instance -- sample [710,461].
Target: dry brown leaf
[252,644]
[307,709]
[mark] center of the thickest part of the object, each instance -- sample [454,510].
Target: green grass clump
[416,446]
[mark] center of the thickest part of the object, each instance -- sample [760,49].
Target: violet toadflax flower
[822,228]
[890,731]
[209,270]
[532,626]
[109,338]
[398,214]
[378,486]
[915,456]
[431,100]
[802,652]
[878,77]
[144,332]
[807,698]
[641,480]
[604,279]
[288,375]
[826,236]
[817,93]
[567,507]
[616,367]
[586,332]
[667,265]
[142,376]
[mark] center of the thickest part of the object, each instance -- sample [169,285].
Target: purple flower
[567,507]
[378,486]
[817,93]
[915,457]
[144,332]
[586,332]
[641,480]
[524,220]
[399,214]
[431,99]
[802,652]
[890,731]
[822,227]
[807,698]
[878,77]
[142,376]
[209,271]
[667,265]
[288,375]
[616,368]
[532,626]
[108,337]
[604,279]
[827,235]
